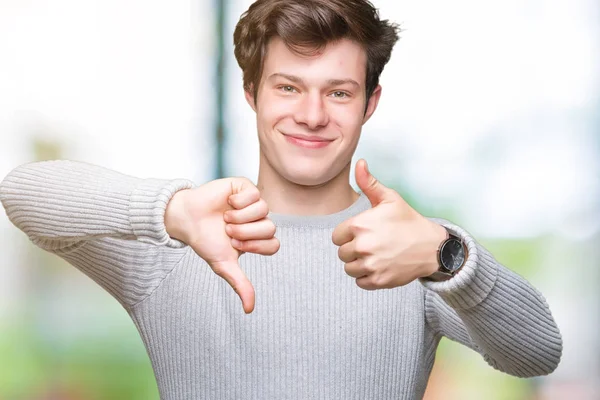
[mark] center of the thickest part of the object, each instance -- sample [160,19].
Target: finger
[237,279]
[347,253]
[244,198]
[264,247]
[253,212]
[342,233]
[355,269]
[263,229]
[367,283]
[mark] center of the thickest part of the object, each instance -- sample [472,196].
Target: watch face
[452,254]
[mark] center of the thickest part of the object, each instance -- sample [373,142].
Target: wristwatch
[451,255]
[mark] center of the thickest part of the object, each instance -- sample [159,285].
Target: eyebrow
[338,82]
[297,79]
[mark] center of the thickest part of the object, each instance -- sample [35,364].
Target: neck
[289,198]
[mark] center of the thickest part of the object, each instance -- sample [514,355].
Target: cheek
[271,110]
[348,118]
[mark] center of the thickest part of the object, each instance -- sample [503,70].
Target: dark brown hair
[306,27]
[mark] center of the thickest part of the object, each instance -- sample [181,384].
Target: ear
[249,94]
[372,103]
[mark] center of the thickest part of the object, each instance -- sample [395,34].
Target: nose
[311,111]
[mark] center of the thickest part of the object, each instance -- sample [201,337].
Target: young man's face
[322,97]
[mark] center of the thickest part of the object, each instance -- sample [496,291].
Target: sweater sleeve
[494,311]
[107,224]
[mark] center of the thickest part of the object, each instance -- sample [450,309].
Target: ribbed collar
[321,221]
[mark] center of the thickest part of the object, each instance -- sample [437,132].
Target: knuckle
[246,246]
[348,269]
[219,269]
[231,216]
[244,180]
[232,229]
[355,225]
[268,247]
[253,191]
[368,285]
[263,208]
[268,226]
[361,246]
[373,183]
[368,266]
[361,283]
[378,280]
[276,246]
[342,253]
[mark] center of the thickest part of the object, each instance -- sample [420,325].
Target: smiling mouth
[309,139]
[310,144]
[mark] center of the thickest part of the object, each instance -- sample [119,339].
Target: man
[318,324]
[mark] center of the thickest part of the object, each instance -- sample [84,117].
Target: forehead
[343,59]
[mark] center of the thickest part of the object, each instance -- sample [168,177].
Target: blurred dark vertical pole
[220,95]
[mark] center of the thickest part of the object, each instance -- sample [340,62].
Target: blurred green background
[490,117]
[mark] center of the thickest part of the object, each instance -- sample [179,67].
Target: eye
[339,94]
[287,88]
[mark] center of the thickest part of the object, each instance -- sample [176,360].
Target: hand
[209,218]
[390,244]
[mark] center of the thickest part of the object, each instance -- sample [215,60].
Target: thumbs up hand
[221,220]
[390,244]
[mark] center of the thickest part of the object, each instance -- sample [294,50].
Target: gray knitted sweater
[314,334]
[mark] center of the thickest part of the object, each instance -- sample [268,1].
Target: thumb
[375,191]
[237,279]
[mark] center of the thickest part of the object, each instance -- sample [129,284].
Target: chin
[307,176]
[307,181]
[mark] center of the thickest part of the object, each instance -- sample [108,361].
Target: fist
[221,220]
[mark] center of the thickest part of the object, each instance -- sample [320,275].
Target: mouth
[310,143]
[310,138]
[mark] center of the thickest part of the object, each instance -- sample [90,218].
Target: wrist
[439,235]
[451,256]
[174,215]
